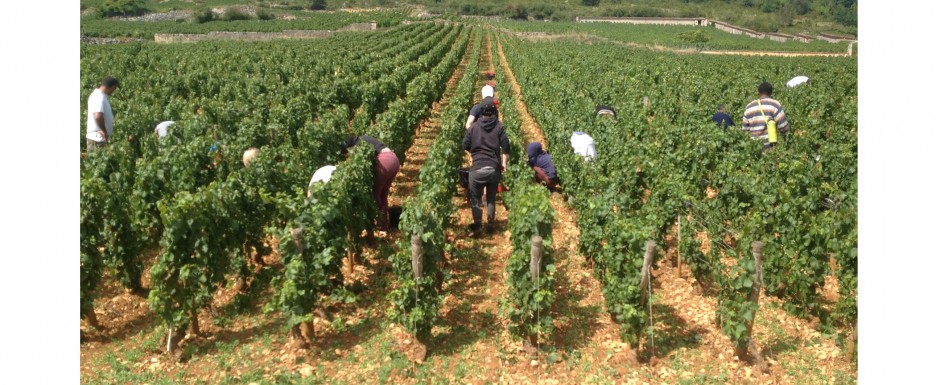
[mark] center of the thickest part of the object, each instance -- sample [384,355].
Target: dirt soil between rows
[242,344]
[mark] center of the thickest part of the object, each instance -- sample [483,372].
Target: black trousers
[489,178]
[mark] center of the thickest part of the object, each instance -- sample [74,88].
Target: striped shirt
[754,122]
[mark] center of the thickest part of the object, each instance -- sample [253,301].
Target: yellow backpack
[771,125]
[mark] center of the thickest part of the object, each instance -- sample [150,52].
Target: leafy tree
[696,37]
[203,15]
[516,11]
[232,14]
[542,11]
[845,12]
[769,6]
[263,14]
[318,5]
[786,15]
[122,7]
[801,7]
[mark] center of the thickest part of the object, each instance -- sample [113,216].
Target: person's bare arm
[99,120]
[470,120]
[503,146]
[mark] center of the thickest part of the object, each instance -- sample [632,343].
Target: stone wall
[781,37]
[754,34]
[371,26]
[696,21]
[435,22]
[735,30]
[834,38]
[727,28]
[249,36]
[803,38]
[108,40]
[171,15]
[485,18]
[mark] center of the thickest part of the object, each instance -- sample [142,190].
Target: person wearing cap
[583,144]
[161,129]
[323,174]
[100,121]
[488,91]
[603,110]
[722,119]
[488,145]
[541,163]
[386,168]
[762,109]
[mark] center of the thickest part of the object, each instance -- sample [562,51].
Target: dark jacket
[541,159]
[476,111]
[353,141]
[723,120]
[486,140]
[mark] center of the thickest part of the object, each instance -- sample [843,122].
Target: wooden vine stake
[350,251]
[535,257]
[743,348]
[92,319]
[851,341]
[169,338]
[832,265]
[173,339]
[646,287]
[679,243]
[645,273]
[417,256]
[296,235]
[411,345]
[530,344]
[301,333]
[194,321]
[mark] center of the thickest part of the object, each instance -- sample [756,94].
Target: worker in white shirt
[323,174]
[162,128]
[250,155]
[100,121]
[797,81]
[583,144]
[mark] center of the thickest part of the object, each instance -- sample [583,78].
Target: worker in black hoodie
[489,149]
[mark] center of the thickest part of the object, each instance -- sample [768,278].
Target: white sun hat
[487,91]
